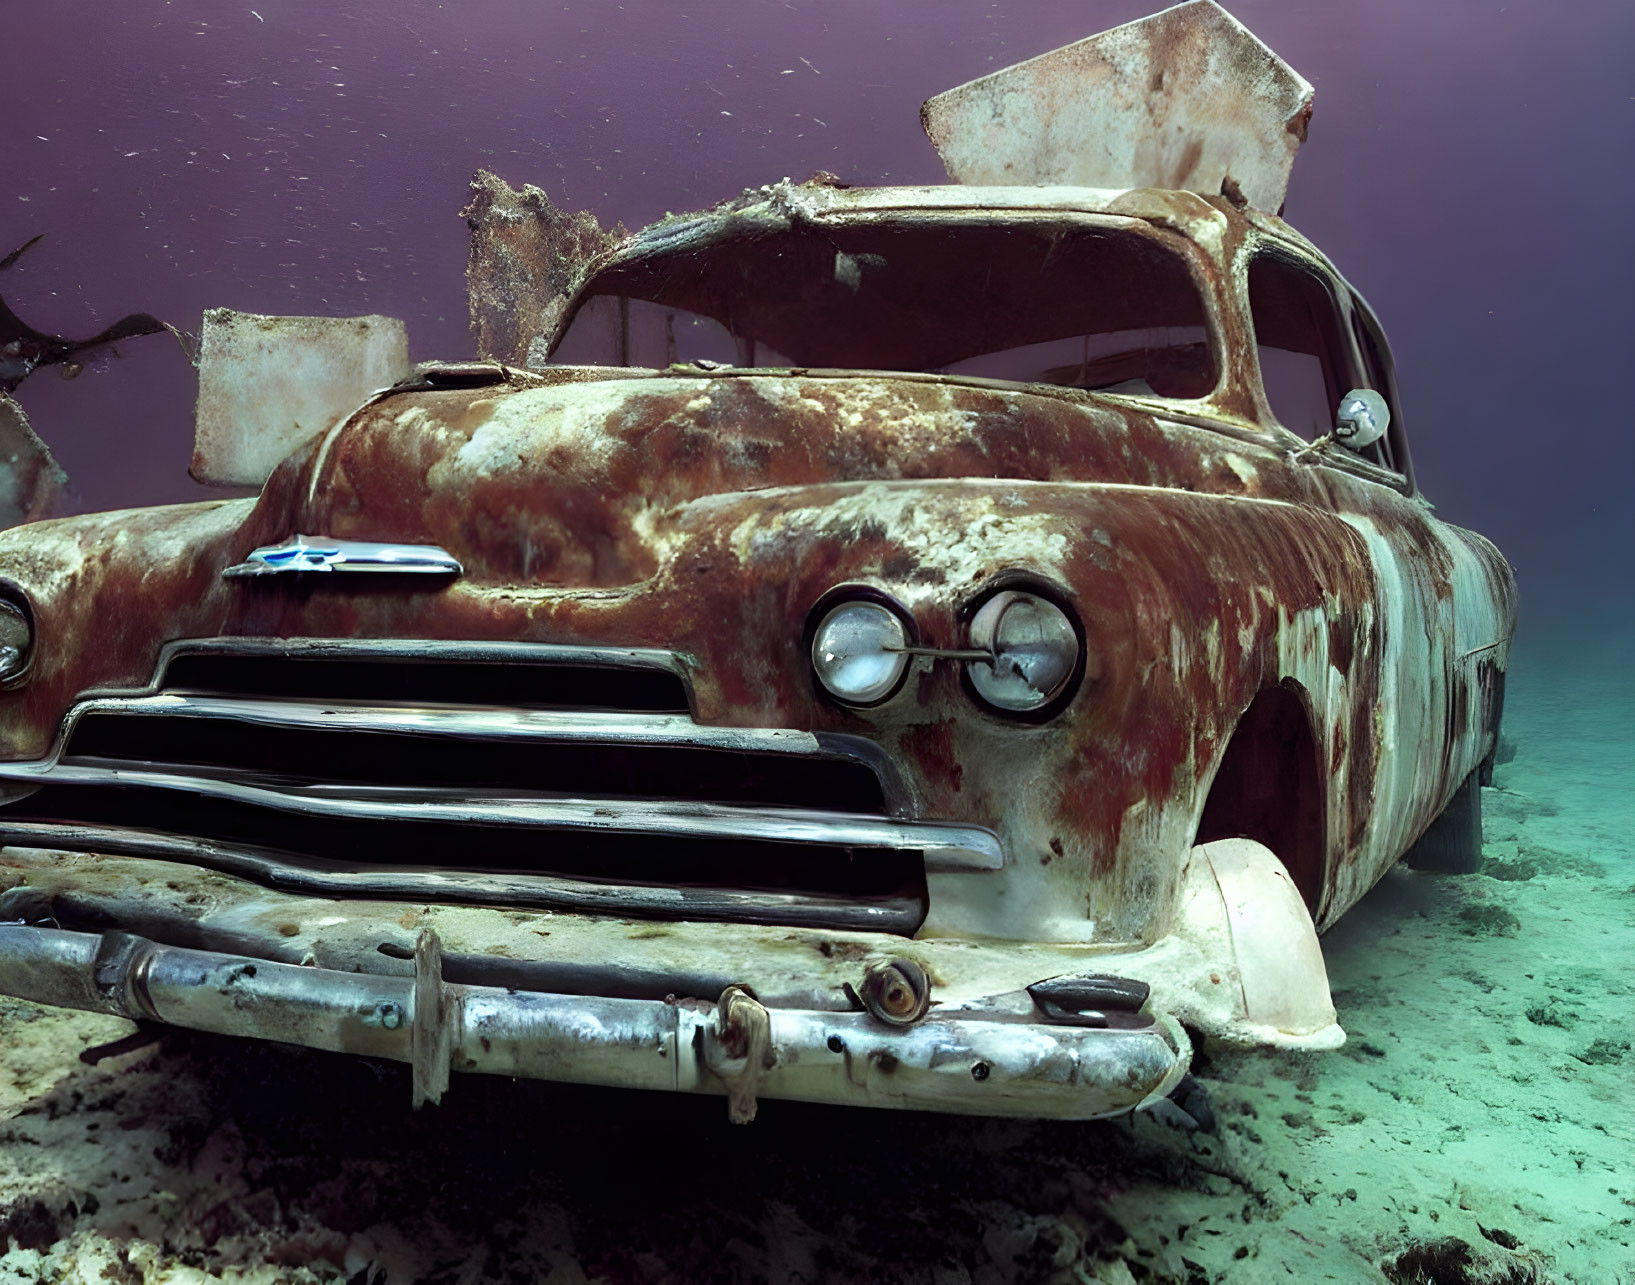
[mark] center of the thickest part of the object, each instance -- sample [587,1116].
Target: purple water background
[1470,168]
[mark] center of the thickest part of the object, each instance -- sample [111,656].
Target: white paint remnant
[1187,99]
[965,531]
[30,477]
[581,417]
[1245,472]
[269,384]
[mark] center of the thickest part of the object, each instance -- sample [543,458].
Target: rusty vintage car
[944,647]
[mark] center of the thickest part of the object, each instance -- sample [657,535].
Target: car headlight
[1035,648]
[16,639]
[857,651]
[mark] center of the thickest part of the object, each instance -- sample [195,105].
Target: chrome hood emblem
[311,553]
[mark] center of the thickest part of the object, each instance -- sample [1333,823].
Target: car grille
[524,774]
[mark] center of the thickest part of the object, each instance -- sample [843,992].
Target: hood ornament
[306,553]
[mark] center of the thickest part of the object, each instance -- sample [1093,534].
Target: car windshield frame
[721,237]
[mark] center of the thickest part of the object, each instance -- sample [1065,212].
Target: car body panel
[543,495]
[1216,108]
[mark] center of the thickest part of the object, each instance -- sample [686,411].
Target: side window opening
[1392,448]
[1306,364]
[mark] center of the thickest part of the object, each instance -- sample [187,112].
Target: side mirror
[1362,419]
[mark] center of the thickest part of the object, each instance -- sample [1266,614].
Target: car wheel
[1453,844]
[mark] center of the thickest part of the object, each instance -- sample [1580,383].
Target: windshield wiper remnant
[23,349]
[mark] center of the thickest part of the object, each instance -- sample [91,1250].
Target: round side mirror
[1362,419]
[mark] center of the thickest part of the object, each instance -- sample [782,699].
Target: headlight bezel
[844,595]
[13,599]
[1022,582]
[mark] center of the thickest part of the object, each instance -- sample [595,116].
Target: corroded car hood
[579,484]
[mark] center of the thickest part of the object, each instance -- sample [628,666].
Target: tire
[1495,720]
[1453,844]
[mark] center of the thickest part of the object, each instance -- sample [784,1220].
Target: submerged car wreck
[940,647]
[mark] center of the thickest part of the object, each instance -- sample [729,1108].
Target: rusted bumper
[967,1061]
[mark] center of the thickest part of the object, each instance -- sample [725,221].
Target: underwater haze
[1468,168]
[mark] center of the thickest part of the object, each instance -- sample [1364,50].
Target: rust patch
[1342,632]
[1300,123]
[931,745]
[847,951]
[527,258]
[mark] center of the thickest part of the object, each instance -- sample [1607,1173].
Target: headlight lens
[16,640]
[1035,648]
[857,654]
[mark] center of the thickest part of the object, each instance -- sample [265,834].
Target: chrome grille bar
[420,649]
[311,877]
[505,726]
[946,846]
[468,722]
[461,722]
[534,774]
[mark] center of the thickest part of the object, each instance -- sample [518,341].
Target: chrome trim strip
[422,649]
[303,554]
[488,723]
[900,916]
[408,649]
[946,846]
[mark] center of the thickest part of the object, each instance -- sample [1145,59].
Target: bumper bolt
[391,1016]
[979,1071]
[897,992]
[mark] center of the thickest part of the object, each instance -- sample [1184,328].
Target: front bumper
[984,1064]
[133,930]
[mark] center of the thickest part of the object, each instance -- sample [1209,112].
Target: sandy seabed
[1476,1127]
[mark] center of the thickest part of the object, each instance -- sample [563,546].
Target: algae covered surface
[1475,1127]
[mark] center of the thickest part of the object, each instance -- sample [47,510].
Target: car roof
[1213,223]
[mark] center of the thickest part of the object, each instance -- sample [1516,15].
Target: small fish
[23,349]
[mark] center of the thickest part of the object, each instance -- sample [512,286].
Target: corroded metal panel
[706,514]
[268,384]
[527,259]
[30,477]
[1186,99]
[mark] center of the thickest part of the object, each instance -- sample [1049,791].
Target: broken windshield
[1082,307]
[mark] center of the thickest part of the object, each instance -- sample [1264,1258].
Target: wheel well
[1268,788]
